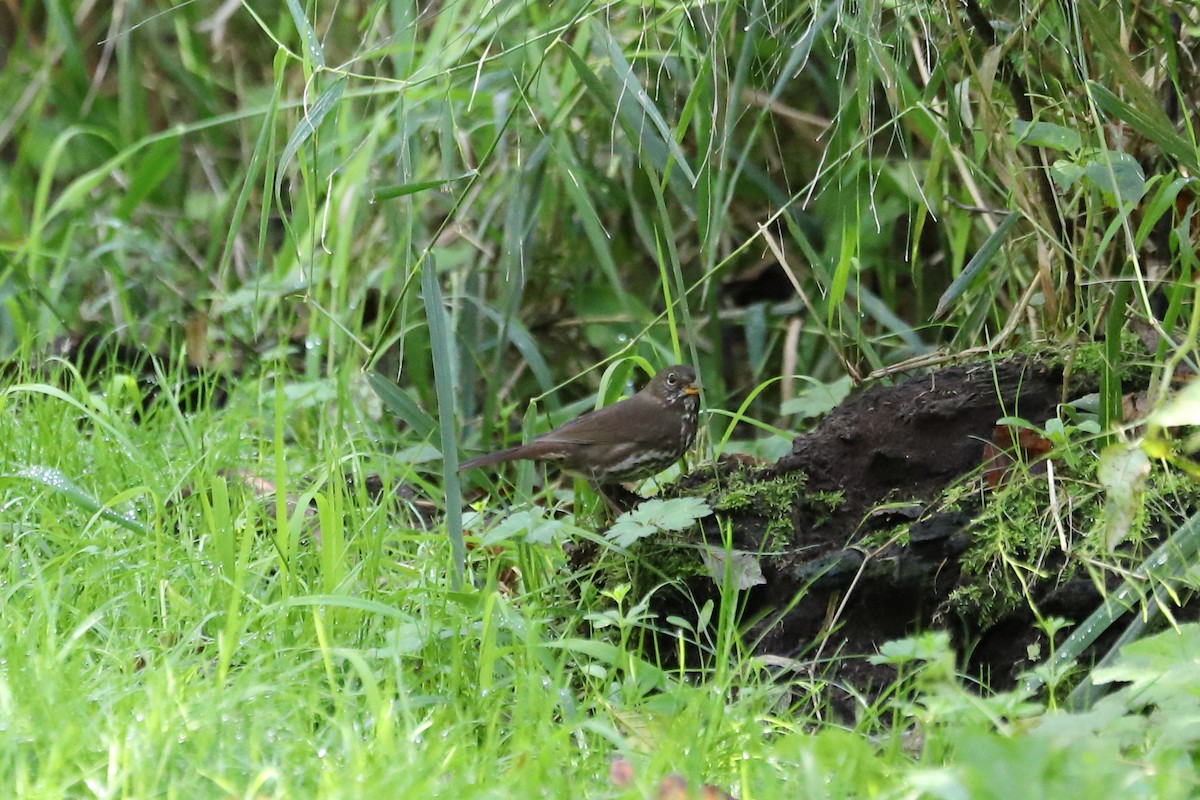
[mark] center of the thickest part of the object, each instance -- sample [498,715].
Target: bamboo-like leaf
[519,336]
[982,258]
[403,189]
[646,139]
[309,123]
[1154,126]
[634,94]
[252,171]
[585,209]
[1162,202]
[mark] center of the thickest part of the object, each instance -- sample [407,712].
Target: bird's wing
[591,428]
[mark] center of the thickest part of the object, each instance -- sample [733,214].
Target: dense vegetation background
[492,202]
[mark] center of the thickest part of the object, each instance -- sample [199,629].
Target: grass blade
[56,481]
[443,378]
[982,258]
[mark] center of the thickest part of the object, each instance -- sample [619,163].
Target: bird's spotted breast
[638,465]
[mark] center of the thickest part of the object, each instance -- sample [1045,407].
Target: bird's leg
[618,498]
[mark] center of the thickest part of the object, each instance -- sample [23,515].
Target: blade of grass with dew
[58,394]
[58,482]
[312,44]
[1171,559]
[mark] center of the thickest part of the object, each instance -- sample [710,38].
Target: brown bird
[632,439]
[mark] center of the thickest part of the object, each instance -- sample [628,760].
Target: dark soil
[838,589]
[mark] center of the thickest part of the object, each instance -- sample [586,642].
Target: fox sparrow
[629,440]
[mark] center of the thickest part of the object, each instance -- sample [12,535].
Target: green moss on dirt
[775,499]
[1018,541]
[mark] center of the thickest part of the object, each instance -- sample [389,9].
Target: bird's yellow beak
[693,390]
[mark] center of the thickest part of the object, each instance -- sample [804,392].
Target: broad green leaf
[744,568]
[1148,659]
[1182,409]
[610,317]
[650,675]
[1046,134]
[530,525]
[818,399]
[1065,174]
[929,647]
[657,515]
[1117,174]
[1123,472]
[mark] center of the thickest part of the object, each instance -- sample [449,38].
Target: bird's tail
[498,457]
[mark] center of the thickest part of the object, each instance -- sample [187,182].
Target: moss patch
[776,500]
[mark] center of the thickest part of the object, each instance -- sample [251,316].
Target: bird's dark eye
[671,379]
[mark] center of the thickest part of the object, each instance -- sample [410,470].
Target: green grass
[215,652]
[208,644]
